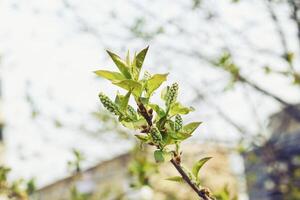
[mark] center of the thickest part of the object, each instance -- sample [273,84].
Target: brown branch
[279,30]
[295,16]
[203,193]
[280,34]
[292,110]
[143,111]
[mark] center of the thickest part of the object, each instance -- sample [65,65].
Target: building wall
[273,170]
[282,122]
[100,178]
[111,177]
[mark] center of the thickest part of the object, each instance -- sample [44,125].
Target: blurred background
[237,63]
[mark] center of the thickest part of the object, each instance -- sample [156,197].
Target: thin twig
[145,113]
[203,193]
[292,110]
[280,33]
[295,16]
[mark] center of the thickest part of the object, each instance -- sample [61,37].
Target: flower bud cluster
[172,93]
[131,111]
[178,123]
[109,104]
[156,136]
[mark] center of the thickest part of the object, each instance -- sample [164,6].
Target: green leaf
[169,125]
[178,179]
[191,127]
[178,108]
[112,76]
[164,93]
[154,82]
[128,58]
[161,122]
[141,57]
[142,137]
[159,111]
[198,165]
[144,100]
[124,69]
[177,136]
[159,156]
[167,155]
[122,101]
[134,125]
[185,132]
[130,85]
[134,70]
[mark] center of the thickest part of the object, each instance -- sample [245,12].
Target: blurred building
[103,180]
[273,170]
[111,180]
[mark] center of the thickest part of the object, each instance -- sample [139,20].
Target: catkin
[156,136]
[109,104]
[178,123]
[172,93]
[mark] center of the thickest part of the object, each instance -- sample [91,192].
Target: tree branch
[280,33]
[203,193]
[292,110]
[144,112]
[295,16]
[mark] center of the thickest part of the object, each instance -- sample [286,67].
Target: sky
[49,55]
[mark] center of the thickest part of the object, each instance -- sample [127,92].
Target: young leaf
[122,101]
[141,57]
[124,69]
[198,165]
[164,93]
[142,137]
[167,155]
[178,108]
[188,173]
[178,179]
[191,127]
[185,132]
[178,136]
[130,85]
[112,76]
[134,125]
[159,111]
[159,156]
[154,82]
[144,100]
[128,59]
[134,70]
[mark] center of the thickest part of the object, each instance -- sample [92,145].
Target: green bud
[156,136]
[172,93]
[178,123]
[131,112]
[109,104]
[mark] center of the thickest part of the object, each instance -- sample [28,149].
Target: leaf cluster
[160,124]
[16,190]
